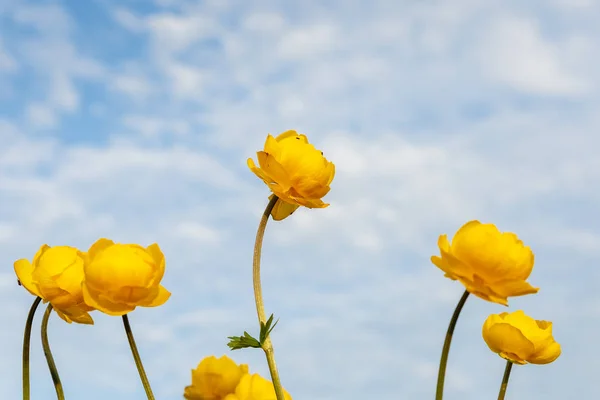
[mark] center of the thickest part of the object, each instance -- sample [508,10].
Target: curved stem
[60,395]
[137,359]
[26,347]
[439,393]
[267,345]
[505,378]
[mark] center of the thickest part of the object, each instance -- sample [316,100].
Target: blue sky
[133,120]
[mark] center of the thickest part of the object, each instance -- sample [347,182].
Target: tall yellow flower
[120,277]
[55,275]
[521,339]
[295,171]
[214,378]
[490,264]
[255,387]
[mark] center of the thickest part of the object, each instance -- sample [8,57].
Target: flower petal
[98,247]
[98,302]
[274,170]
[161,298]
[514,288]
[547,354]
[23,270]
[282,209]
[509,342]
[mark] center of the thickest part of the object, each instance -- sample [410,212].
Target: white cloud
[133,85]
[514,52]
[63,95]
[150,126]
[308,41]
[129,20]
[7,62]
[41,116]
[265,22]
[394,94]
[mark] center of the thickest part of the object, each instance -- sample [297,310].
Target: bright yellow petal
[75,315]
[509,342]
[547,354]
[23,270]
[513,288]
[274,170]
[98,247]
[282,209]
[97,301]
[159,260]
[39,253]
[160,299]
[288,134]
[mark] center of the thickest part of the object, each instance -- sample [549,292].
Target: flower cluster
[222,379]
[110,277]
[116,278]
[495,266]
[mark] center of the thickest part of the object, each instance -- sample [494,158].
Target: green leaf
[266,328]
[242,342]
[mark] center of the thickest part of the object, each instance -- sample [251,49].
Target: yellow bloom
[214,378]
[255,387]
[295,172]
[120,277]
[492,265]
[55,275]
[520,338]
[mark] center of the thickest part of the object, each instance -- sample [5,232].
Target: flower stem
[26,341]
[267,345]
[137,359]
[439,393]
[504,384]
[60,395]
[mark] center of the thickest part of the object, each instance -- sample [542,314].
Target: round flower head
[255,387]
[521,339]
[120,277]
[295,172]
[490,264]
[55,275]
[214,378]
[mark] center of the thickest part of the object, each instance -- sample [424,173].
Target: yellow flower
[120,277]
[255,387]
[295,172]
[520,338]
[214,378]
[492,265]
[55,275]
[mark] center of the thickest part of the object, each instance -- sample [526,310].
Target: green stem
[439,393]
[505,378]
[26,347]
[137,359]
[260,307]
[60,395]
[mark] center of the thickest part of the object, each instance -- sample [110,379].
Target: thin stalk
[267,345]
[26,347]
[137,359]
[439,393]
[60,395]
[505,378]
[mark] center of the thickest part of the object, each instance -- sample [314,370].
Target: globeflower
[120,277]
[295,171]
[55,275]
[520,339]
[490,264]
[214,378]
[255,387]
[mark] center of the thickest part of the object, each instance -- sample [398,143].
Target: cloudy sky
[133,120]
